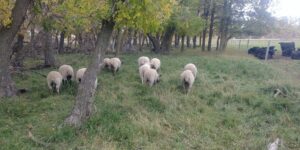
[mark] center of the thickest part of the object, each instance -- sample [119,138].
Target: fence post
[248,42]
[268,49]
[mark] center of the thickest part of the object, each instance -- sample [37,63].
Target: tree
[8,30]
[120,13]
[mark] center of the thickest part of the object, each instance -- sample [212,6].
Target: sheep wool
[143,60]
[187,79]
[106,62]
[155,63]
[151,77]
[115,64]
[80,74]
[67,72]
[142,71]
[192,68]
[54,80]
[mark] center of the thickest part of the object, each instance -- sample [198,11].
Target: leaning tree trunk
[7,34]
[48,50]
[85,98]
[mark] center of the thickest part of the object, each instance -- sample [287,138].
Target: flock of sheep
[148,71]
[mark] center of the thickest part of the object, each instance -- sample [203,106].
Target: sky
[288,8]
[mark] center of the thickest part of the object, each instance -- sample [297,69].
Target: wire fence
[245,44]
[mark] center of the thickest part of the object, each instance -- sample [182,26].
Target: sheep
[143,60]
[187,79]
[191,67]
[67,72]
[54,80]
[115,64]
[80,74]
[151,77]
[142,70]
[106,62]
[155,63]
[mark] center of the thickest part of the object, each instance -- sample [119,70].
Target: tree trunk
[224,25]
[195,42]
[205,16]
[83,107]
[211,26]
[7,34]
[155,43]
[182,43]
[200,41]
[167,39]
[218,43]
[18,52]
[188,41]
[61,42]
[48,50]
[120,40]
[177,39]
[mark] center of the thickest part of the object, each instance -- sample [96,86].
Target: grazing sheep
[54,80]
[115,64]
[191,67]
[187,79]
[142,70]
[143,60]
[67,72]
[155,63]
[151,77]
[106,62]
[80,74]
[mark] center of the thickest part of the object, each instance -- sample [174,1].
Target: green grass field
[231,106]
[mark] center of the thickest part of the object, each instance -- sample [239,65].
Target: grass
[231,106]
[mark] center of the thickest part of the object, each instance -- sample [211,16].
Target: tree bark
[195,42]
[177,39]
[48,50]
[167,39]
[182,43]
[200,41]
[224,25]
[120,40]
[188,41]
[85,98]
[205,16]
[211,26]
[7,34]
[61,42]
[18,52]
[155,42]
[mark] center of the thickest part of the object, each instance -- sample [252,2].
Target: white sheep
[142,70]
[143,60]
[106,62]
[151,77]
[54,80]
[67,72]
[187,80]
[80,74]
[115,64]
[192,68]
[155,63]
